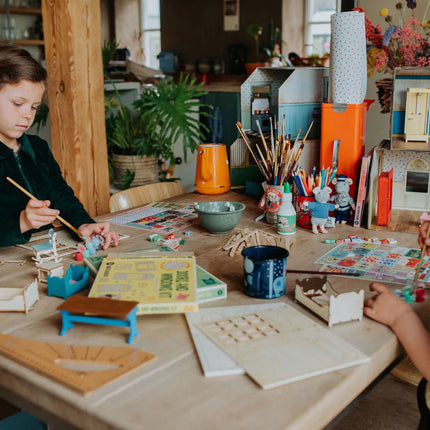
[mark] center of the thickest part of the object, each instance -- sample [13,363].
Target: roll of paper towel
[348,64]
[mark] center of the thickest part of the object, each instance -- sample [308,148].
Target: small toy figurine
[320,208]
[342,198]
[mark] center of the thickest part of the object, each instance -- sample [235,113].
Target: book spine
[163,308]
[361,196]
[213,294]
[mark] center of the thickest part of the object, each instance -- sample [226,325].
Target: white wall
[378,125]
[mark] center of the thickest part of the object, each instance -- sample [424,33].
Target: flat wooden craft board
[213,360]
[279,345]
[45,358]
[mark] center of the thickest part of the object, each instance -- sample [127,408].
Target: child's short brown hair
[17,64]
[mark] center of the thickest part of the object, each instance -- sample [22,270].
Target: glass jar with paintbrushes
[276,157]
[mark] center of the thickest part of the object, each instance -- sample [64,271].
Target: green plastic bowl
[219,217]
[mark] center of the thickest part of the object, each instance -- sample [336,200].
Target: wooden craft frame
[318,296]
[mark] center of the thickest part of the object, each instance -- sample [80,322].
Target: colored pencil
[67,224]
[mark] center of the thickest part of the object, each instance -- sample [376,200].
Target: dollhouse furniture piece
[19,299]
[51,268]
[144,194]
[385,189]
[318,296]
[108,311]
[76,279]
[417,114]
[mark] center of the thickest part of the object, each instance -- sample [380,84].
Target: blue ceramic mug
[265,268]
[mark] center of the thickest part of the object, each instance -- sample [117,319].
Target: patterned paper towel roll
[348,65]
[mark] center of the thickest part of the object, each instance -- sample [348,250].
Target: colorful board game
[376,262]
[160,284]
[162,217]
[209,287]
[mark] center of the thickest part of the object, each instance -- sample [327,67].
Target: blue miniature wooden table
[103,311]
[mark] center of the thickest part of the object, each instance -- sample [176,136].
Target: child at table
[28,160]
[386,308]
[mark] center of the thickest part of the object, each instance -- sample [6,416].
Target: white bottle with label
[286,215]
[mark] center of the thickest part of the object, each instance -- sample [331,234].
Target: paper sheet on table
[348,64]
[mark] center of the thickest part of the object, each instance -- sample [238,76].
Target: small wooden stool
[113,309]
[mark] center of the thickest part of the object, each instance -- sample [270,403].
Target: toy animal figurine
[319,209]
[342,198]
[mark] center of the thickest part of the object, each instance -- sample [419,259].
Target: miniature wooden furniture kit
[51,360]
[47,251]
[19,299]
[20,262]
[245,238]
[385,189]
[318,296]
[51,269]
[76,279]
[75,308]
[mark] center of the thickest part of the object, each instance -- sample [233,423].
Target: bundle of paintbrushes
[278,161]
[306,183]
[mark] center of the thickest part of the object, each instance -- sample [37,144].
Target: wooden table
[171,392]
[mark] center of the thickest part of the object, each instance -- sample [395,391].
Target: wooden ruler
[54,361]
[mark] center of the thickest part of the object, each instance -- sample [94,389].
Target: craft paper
[348,65]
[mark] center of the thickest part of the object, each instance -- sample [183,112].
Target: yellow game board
[161,284]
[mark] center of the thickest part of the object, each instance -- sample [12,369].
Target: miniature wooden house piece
[318,296]
[19,299]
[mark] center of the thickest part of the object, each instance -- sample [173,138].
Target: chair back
[138,196]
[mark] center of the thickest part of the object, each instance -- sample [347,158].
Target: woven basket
[146,169]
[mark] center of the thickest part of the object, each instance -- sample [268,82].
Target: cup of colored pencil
[306,183]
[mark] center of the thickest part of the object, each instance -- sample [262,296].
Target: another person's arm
[386,308]
[422,237]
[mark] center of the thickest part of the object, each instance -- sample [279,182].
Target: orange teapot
[212,170]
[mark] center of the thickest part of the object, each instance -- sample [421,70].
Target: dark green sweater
[36,170]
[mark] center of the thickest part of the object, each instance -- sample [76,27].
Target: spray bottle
[286,215]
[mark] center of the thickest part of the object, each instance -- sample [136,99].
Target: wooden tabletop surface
[171,392]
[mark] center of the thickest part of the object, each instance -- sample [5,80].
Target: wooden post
[72,33]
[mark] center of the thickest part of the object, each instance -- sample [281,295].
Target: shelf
[22,11]
[26,42]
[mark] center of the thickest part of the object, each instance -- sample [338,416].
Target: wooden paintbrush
[315,272]
[67,224]
[248,144]
[263,139]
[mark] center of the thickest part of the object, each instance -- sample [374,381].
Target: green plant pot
[219,217]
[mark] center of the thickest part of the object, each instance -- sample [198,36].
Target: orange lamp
[212,170]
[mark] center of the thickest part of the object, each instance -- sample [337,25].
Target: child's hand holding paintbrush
[423,234]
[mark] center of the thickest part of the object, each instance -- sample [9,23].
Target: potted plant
[133,152]
[170,111]
[255,31]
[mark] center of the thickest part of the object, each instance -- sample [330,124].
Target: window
[317,25]
[417,182]
[151,31]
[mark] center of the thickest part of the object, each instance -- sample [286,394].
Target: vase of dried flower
[385,94]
